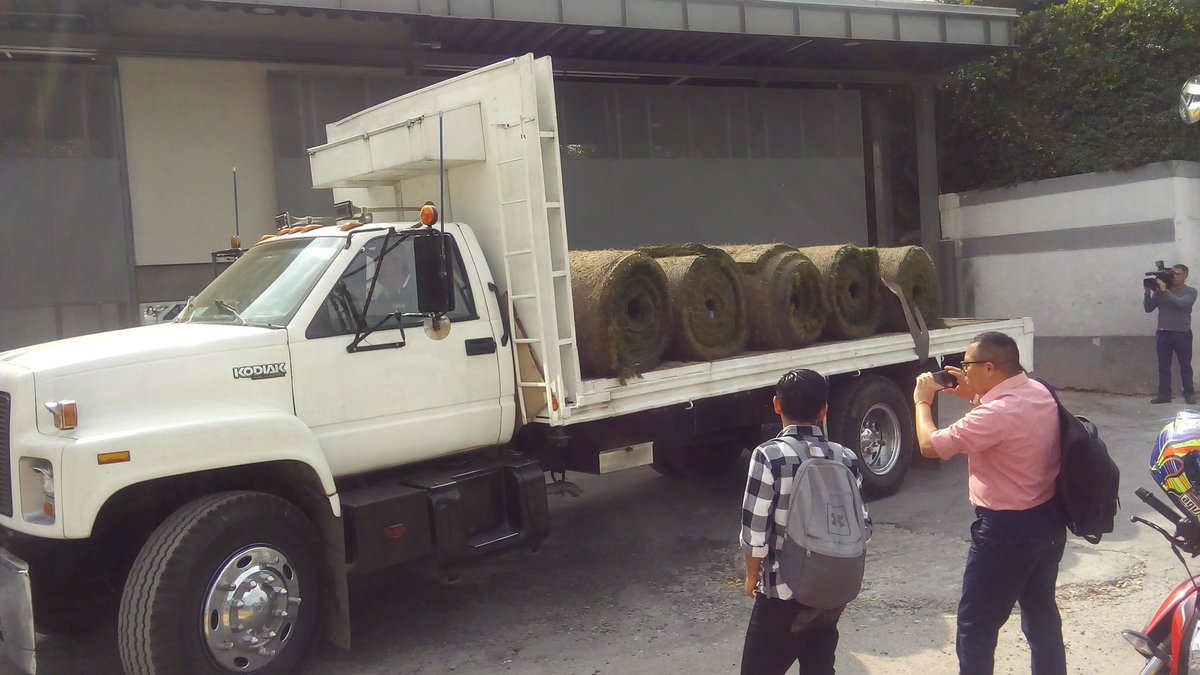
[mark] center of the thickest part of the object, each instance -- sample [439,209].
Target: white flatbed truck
[221,476]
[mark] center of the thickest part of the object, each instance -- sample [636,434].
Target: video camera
[1160,272]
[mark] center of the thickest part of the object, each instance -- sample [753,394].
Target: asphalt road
[641,574]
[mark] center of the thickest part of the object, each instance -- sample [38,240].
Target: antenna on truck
[237,230]
[224,257]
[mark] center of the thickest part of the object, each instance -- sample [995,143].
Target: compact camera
[1160,272]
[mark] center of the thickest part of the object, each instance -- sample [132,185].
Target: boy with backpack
[804,532]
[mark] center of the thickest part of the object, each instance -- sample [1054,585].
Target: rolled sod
[707,304]
[910,268]
[785,302]
[622,312]
[850,276]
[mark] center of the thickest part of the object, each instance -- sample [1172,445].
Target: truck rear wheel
[227,584]
[871,416]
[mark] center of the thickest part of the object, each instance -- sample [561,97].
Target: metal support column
[927,168]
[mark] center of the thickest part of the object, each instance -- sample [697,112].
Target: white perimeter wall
[1071,252]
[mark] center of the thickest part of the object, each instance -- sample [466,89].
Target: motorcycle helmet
[1175,462]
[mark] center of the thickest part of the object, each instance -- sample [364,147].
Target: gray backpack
[825,547]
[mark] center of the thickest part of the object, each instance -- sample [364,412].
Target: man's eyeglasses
[994,362]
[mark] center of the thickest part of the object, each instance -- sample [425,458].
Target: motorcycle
[1171,639]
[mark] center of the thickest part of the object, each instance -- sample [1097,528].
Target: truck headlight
[37,490]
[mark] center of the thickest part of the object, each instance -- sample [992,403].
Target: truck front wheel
[227,584]
[871,416]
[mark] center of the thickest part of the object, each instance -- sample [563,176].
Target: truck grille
[6,501]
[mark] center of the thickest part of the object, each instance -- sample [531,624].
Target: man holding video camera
[1173,299]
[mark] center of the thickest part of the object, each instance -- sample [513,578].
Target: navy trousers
[782,632]
[1014,558]
[1179,343]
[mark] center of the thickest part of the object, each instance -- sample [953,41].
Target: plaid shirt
[773,467]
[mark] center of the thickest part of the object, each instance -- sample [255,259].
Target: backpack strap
[795,444]
[1053,394]
[804,450]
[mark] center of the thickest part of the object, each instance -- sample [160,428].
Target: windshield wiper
[221,304]
[186,312]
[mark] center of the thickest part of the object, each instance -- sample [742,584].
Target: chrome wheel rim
[250,609]
[879,439]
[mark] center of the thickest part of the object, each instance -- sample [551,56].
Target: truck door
[392,405]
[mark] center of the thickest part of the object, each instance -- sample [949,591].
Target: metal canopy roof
[701,41]
[913,36]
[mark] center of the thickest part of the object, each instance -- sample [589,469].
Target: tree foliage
[1093,86]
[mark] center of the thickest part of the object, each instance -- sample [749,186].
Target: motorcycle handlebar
[1187,534]
[1153,502]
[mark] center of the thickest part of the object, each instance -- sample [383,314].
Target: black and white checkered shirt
[773,467]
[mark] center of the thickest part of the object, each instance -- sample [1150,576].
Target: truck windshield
[266,285]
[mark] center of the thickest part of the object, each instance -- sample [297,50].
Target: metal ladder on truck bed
[533,230]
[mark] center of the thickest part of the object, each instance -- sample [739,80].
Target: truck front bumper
[18,642]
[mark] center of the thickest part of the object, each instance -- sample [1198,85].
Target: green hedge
[1093,86]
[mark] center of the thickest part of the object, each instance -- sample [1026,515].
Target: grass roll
[622,312]
[707,305]
[787,307]
[910,268]
[850,275]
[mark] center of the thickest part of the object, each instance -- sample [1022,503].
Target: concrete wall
[188,123]
[1071,252]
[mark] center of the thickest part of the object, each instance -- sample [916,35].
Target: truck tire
[871,416]
[227,584]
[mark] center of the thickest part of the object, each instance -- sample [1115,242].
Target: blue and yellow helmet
[1175,461]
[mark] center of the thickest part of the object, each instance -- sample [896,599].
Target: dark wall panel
[803,202]
[660,164]
[63,234]
[65,265]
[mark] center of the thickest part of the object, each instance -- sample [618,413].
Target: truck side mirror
[1189,101]
[433,257]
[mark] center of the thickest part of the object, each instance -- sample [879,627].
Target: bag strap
[800,448]
[1054,394]
[1048,387]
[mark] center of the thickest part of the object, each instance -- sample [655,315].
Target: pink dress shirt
[1011,443]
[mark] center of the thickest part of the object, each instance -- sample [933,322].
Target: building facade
[137,136]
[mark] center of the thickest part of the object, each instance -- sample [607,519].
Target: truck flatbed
[679,383]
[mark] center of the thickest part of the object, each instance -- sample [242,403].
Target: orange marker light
[70,414]
[429,214]
[112,457]
[349,225]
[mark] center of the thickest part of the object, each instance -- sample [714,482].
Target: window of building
[56,110]
[607,121]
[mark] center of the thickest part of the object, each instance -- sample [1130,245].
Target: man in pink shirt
[1010,438]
